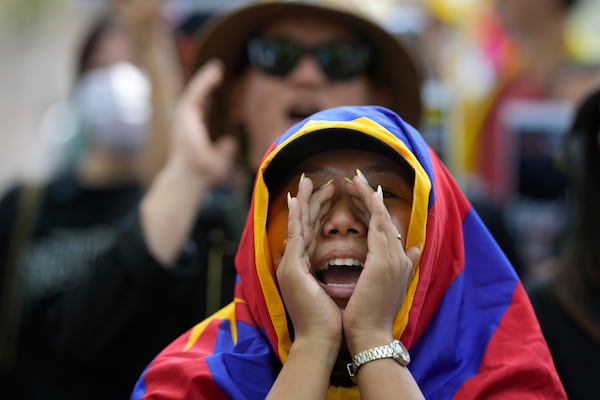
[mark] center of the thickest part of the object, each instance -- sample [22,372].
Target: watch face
[395,350]
[400,353]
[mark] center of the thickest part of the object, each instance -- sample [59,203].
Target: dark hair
[583,171]
[578,273]
[91,40]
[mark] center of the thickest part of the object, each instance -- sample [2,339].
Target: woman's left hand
[382,285]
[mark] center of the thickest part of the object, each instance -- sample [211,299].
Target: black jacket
[575,352]
[96,307]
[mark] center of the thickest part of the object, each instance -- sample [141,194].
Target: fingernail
[289,199]
[361,176]
[348,180]
[301,179]
[329,182]
[379,192]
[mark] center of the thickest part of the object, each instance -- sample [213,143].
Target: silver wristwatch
[395,350]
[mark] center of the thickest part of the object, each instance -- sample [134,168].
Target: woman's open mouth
[339,276]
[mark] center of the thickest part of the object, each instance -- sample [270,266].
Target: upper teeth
[343,262]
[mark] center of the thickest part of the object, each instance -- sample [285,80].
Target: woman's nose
[343,218]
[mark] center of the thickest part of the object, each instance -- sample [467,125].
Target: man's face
[267,105]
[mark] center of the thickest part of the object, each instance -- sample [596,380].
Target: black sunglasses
[338,60]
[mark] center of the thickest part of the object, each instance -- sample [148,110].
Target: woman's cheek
[277,235]
[401,221]
[276,260]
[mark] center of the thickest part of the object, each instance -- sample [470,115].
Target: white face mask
[113,105]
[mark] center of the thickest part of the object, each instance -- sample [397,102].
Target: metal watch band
[394,350]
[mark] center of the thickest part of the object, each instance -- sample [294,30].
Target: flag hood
[466,319]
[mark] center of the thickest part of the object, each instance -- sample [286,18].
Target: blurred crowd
[506,95]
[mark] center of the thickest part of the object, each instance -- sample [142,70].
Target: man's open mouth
[299,112]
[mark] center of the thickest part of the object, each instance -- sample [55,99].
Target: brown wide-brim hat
[225,37]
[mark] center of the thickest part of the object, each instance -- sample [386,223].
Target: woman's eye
[386,193]
[396,194]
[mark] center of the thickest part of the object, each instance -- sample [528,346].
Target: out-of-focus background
[37,43]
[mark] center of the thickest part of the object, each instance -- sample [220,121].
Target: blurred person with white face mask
[49,230]
[112,106]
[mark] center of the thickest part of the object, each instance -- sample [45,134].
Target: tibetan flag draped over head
[466,319]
